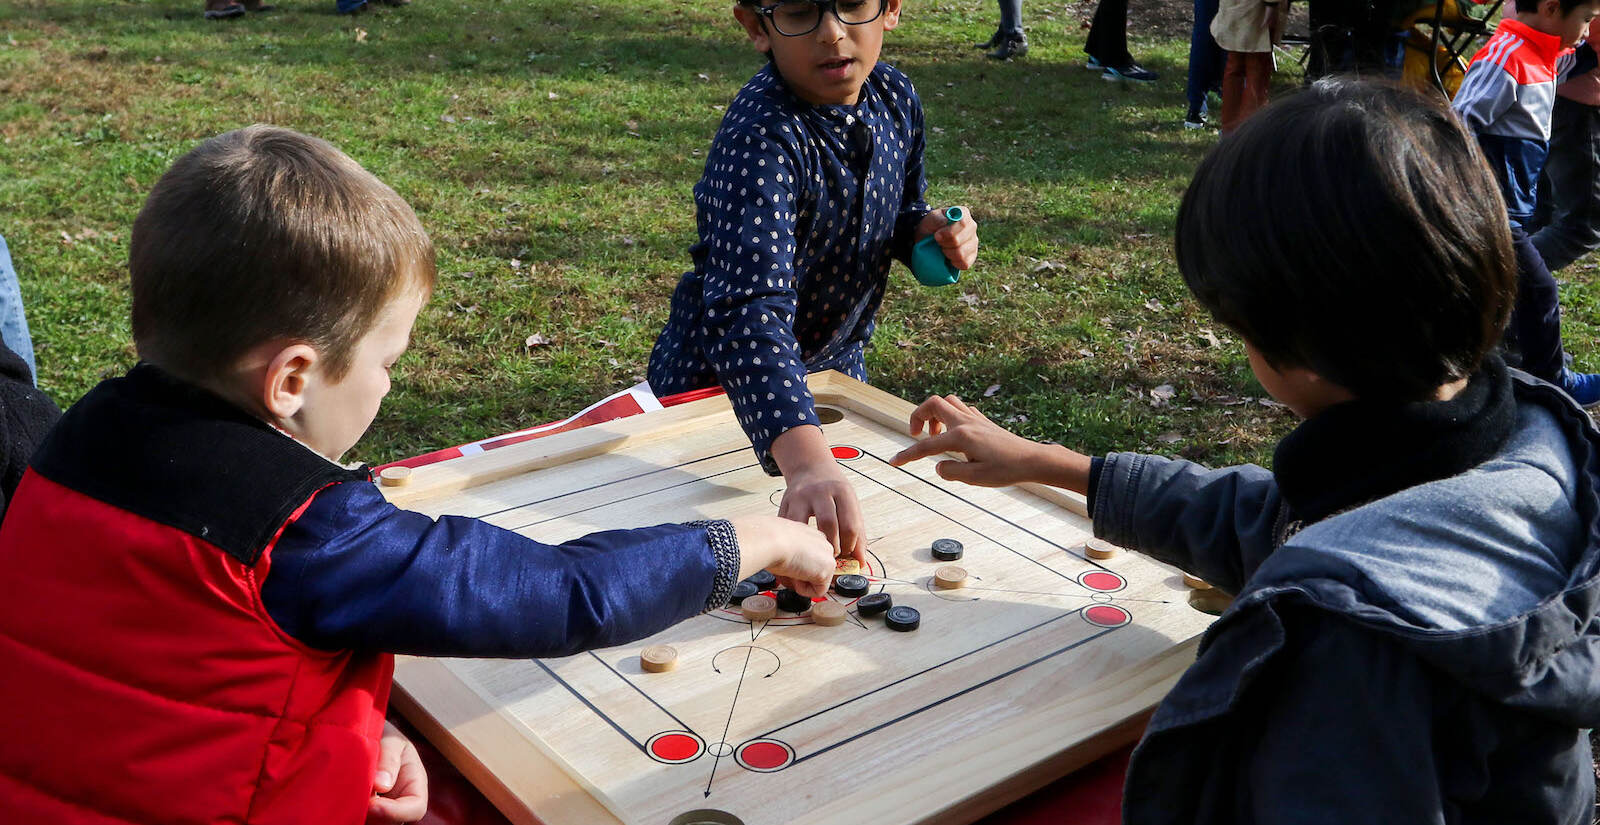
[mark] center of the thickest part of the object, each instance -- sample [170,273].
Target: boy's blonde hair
[265,234]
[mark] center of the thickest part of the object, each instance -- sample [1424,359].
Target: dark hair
[264,234]
[1566,5]
[1355,230]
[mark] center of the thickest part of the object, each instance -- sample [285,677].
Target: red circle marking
[1107,615]
[846,453]
[675,747]
[1102,581]
[764,756]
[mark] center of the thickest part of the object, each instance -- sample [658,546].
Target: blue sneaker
[1094,65]
[1584,387]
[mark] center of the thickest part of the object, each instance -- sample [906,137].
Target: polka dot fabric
[800,211]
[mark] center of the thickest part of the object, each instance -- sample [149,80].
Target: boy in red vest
[201,603]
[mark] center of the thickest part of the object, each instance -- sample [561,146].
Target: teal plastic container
[928,262]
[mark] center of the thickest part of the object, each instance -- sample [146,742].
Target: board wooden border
[528,784]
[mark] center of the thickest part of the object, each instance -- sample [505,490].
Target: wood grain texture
[1043,661]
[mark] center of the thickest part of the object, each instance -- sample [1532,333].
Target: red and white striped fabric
[631,401]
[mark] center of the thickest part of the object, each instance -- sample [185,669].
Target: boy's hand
[958,240]
[796,553]
[400,786]
[995,457]
[817,488]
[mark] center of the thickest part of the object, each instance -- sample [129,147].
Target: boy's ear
[756,29]
[1552,9]
[283,383]
[891,14]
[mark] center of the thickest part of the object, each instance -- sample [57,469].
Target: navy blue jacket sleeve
[354,572]
[748,220]
[1219,525]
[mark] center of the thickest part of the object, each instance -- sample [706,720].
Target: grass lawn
[550,148]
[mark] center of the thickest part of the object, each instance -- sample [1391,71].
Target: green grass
[550,148]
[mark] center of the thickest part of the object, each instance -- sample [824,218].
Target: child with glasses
[813,185]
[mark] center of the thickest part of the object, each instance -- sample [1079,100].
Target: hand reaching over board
[817,489]
[796,553]
[995,456]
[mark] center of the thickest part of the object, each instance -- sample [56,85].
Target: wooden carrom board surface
[1045,661]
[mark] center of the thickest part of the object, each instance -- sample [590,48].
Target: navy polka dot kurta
[800,210]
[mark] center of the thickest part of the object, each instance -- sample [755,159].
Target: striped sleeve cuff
[725,549]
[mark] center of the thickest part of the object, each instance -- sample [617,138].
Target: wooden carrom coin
[763,710]
[828,613]
[759,608]
[950,577]
[658,658]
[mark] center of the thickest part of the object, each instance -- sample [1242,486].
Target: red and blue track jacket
[1507,98]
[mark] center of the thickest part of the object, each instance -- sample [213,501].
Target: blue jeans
[1011,18]
[1205,56]
[13,324]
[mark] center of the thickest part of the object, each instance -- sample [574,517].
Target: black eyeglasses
[792,18]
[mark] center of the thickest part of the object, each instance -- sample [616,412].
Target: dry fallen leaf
[993,388]
[1169,438]
[1153,305]
[1210,338]
[1163,394]
[361,35]
[536,340]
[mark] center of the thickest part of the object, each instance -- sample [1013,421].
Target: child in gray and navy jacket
[1415,633]
[812,186]
[1506,99]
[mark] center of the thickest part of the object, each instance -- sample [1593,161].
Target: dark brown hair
[1355,230]
[266,234]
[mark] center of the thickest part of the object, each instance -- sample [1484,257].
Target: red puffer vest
[143,681]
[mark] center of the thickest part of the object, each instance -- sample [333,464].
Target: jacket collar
[1547,45]
[1360,451]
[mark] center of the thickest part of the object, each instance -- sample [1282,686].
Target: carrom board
[1046,660]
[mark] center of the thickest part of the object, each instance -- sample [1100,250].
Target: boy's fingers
[390,749]
[850,522]
[827,522]
[932,445]
[956,234]
[966,472]
[405,809]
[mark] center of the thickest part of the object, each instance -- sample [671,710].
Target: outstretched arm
[355,572]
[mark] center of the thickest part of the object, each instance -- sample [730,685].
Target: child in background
[1206,60]
[1417,622]
[1569,192]
[1506,99]
[1246,30]
[812,186]
[204,603]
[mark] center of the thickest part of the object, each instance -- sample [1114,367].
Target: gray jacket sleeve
[1217,524]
